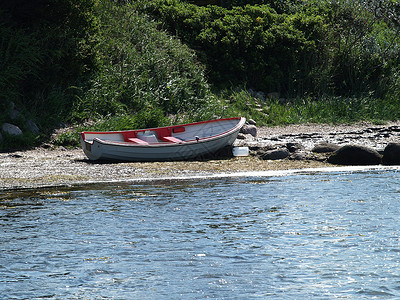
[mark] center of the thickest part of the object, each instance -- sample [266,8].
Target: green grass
[332,110]
[324,110]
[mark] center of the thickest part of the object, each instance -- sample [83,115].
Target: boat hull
[98,148]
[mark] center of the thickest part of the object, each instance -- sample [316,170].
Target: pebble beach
[57,167]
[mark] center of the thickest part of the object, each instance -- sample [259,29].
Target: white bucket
[240,151]
[147,136]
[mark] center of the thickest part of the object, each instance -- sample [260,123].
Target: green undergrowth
[330,110]
[141,69]
[270,112]
[136,64]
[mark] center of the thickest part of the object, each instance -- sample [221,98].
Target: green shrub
[359,53]
[315,47]
[45,47]
[281,6]
[19,59]
[141,67]
[251,44]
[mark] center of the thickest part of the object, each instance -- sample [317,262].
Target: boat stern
[87,147]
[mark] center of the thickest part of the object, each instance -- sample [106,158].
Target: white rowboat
[178,142]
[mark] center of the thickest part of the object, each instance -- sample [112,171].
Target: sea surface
[302,236]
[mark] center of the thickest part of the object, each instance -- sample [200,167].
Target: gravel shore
[65,167]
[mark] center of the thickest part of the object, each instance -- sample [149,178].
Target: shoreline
[41,168]
[60,167]
[149,175]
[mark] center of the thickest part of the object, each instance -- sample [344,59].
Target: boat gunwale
[241,121]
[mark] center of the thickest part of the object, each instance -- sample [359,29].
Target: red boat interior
[163,134]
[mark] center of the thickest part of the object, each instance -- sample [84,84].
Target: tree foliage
[295,47]
[141,69]
[45,47]
[137,62]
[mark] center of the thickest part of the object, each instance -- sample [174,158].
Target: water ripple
[323,235]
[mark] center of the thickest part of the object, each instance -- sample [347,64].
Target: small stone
[14,114]
[241,136]
[251,122]
[249,129]
[294,147]
[299,156]
[273,95]
[47,146]
[260,95]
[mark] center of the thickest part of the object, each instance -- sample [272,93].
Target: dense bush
[45,47]
[278,5]
[360,50]
[127,64]
[320,47]
[142,68]
[252,44]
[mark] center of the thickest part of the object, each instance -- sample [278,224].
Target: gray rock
[325,148]
[259,95]
[249,129]
[391,154]
[11,129]
[355,155]
[280,153]
[301,155]
[241,136]
[251,122]
[32,127]
[294,147]
[14,112]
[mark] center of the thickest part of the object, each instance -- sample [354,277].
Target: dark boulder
[325,148]
[280,153]
[355,155]
[391,154]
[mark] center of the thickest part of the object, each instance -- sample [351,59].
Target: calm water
[319,236]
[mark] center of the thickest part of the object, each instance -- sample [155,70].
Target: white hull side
[99,150]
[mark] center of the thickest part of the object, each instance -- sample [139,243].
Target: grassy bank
[324,109]
[116,65]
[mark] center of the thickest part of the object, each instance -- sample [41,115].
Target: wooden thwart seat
[136,141]
[170,139]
